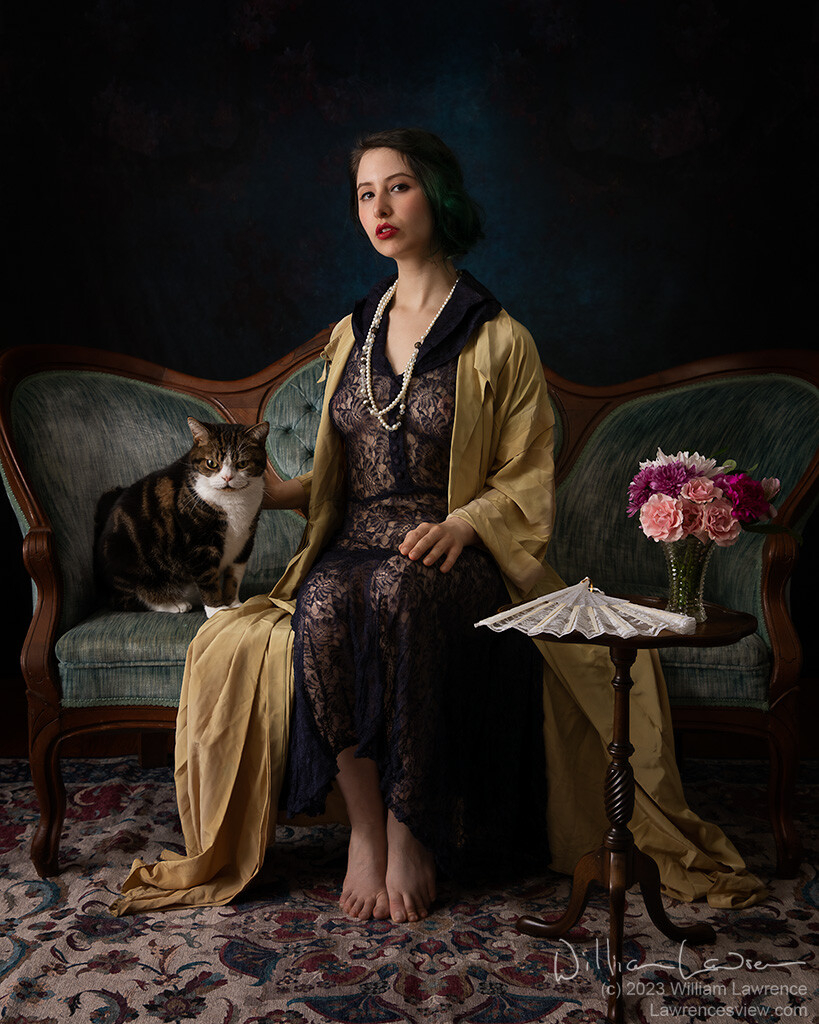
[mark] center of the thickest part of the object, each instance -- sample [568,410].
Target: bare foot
[364,893]
[410,874]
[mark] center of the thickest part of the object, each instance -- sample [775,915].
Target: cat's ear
[200,432]
[258,432]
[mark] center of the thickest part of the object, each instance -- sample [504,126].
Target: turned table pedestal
[618,864]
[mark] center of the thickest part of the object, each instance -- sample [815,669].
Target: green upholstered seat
[80,434]
[83,432]
[594,537]
[123,658]
[76,422]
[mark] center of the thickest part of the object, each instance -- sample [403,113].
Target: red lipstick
[385,231]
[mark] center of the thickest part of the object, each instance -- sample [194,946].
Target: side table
[618,864]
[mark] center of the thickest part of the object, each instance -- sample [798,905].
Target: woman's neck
[423,284]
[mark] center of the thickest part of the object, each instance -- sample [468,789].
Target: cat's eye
[211,463]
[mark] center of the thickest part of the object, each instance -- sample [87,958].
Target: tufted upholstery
[293,412]
[112,430]
[83,432]
[707,417]
[80,433]
[75,422]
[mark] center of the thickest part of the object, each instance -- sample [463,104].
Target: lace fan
[584,609]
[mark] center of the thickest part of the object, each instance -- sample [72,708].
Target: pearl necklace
[367,362]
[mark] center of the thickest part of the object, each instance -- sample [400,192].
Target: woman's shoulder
[502,328]
[504,338]
[342,331]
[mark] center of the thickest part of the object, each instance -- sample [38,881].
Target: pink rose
[692,518]
[701,489]
[661,518]
[720,524]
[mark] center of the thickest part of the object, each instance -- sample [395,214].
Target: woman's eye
[400,186]
[365,195]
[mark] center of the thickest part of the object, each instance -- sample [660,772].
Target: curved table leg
[617,865]
[589,869]
[647,874]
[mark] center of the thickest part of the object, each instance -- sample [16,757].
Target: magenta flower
[665,479]
[746,495]
[687,495]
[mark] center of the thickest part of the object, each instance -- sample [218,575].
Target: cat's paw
[174,607]
[211,611]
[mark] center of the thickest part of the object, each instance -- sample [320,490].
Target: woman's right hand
[431,541]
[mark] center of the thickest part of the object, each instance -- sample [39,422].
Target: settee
[75,422]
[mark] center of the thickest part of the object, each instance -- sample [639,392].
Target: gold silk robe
[234,714]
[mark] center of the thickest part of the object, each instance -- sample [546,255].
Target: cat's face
[225,456]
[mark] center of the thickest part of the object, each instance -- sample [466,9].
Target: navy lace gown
[386,655]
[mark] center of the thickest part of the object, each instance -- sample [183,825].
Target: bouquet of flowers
[684,495]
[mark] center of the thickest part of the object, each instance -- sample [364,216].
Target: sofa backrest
[80,433]
[768,421]
[293,412]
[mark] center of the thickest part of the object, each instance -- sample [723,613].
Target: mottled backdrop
[648,170]
[175,173]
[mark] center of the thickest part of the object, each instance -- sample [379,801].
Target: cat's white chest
[240,507]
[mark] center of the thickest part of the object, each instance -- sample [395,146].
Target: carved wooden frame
[581,409]
[50,724]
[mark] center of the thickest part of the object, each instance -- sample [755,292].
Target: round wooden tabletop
[722,627]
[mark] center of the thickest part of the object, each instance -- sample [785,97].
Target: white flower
[703,466]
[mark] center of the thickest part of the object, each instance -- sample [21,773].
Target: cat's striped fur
[181,536]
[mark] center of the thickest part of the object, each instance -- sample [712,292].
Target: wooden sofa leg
[784,760]
[47,777]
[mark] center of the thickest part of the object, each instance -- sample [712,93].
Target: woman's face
[392,207]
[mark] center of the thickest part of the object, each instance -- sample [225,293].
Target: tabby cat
[181,536]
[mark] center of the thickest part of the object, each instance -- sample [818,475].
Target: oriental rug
[285,954]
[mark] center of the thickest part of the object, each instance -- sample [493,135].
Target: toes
[381,910]
[351,904]
[365,907]
[415,911]
[398,912]
[409,907]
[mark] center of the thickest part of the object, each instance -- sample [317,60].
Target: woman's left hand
[432,541]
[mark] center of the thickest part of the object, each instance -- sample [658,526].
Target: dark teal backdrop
[647,167]
[175,171]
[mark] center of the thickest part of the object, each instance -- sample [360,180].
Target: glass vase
[687,561]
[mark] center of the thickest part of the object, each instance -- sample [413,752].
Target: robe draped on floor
[236,704]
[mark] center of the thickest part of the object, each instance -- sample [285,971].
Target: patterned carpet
[286,954]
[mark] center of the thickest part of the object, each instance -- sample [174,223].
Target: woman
[386,656]
[430,502]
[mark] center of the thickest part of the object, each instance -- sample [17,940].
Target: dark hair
[456,216]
